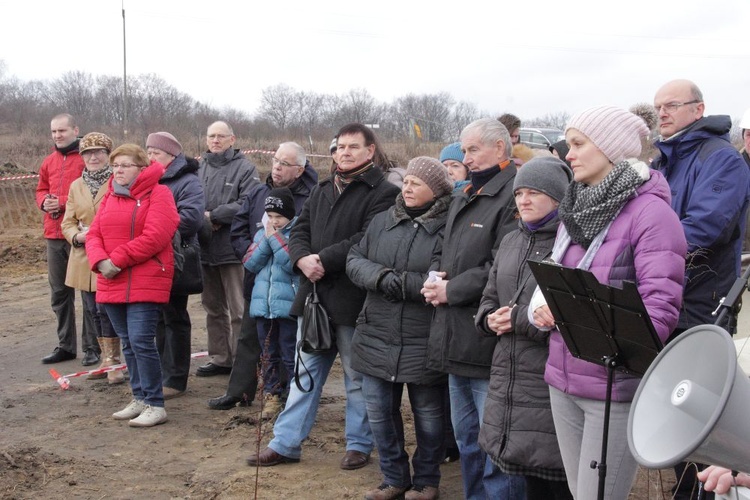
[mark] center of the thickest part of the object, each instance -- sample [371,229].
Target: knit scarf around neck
[73,146]
[586,210]
[342,179]
[96,179]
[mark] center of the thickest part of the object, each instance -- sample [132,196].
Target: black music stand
[601,324]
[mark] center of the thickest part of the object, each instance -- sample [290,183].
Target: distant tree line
[284,112]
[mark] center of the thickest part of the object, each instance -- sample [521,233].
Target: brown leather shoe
[269,458]
[386,492]
[354,460]
[423,493]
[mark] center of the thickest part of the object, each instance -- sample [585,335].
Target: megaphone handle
[729,304]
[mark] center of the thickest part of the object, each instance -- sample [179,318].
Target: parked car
[540,138]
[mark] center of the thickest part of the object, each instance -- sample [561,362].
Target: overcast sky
[529,57]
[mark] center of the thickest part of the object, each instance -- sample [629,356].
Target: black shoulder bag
[317,335]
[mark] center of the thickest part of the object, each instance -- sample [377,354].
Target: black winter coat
[390,340]
[249,219]
[517,430]
[329,226]
[476,224]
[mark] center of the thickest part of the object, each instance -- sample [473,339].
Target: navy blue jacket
[710,186]
[182,179]
[248,220]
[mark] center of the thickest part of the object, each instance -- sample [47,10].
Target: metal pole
[124,76]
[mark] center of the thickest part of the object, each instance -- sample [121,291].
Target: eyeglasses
[671,107]
[283,163]
[116,166]
[221,137]
[92,152]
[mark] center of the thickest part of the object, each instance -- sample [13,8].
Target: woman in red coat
[130,246]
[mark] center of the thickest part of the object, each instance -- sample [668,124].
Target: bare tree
[278,104]
[462,114]
[73,92]
[550,120]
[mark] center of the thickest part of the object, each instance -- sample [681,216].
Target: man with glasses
[290,169]
[710,187]
[227,178]
[57,172]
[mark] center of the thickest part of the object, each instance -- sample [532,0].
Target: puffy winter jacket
[56,174]
[390,340]
[517,429]
[275,282]
[248,220]
[135,232]
[645,244]
[710,186]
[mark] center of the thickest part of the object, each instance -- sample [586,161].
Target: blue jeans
[278,339]
[384,413]
[294,423]
[482,480]
[135,324]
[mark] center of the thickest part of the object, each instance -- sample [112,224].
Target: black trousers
[173,342]
[243,381]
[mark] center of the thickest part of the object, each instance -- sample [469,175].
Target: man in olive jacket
[333,219]
[478,219]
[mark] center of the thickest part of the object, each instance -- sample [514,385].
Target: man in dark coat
[710,186]
[290,169]
[227,177]
[333,219]
[478,219]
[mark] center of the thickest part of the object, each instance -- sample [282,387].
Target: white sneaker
[151,416]
[133,409]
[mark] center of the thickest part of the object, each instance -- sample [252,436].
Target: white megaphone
[693,404]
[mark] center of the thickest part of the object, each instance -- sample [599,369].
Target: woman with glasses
[85,196]
[130,246]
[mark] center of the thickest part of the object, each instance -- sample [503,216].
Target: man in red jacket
[57,172]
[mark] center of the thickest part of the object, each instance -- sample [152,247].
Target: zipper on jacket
[132,236]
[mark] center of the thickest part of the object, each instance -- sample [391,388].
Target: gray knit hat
[546,174]
[431,172]
[164,141]
[615,131]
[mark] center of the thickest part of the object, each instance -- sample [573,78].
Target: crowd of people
[423,273]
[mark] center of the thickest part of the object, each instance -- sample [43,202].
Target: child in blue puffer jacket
[275,286]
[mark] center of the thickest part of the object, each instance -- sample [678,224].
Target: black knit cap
[281,201]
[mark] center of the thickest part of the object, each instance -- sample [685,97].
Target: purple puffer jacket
[645,244]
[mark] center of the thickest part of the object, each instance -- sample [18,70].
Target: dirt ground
[57,444]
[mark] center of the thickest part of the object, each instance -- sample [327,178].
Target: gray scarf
[586,210]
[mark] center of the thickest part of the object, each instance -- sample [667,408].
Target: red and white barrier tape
[17,177]
[263,151]
[64,380]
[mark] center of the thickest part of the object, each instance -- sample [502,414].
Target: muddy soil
[57,444]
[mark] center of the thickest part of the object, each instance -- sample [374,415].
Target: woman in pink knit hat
[616,223]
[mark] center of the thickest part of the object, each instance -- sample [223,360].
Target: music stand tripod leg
[610,362]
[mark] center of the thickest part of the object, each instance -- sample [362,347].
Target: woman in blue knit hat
[453,158]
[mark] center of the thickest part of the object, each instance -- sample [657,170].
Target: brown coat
[80,207]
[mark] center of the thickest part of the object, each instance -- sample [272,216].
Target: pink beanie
[615,131]
[164,141]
